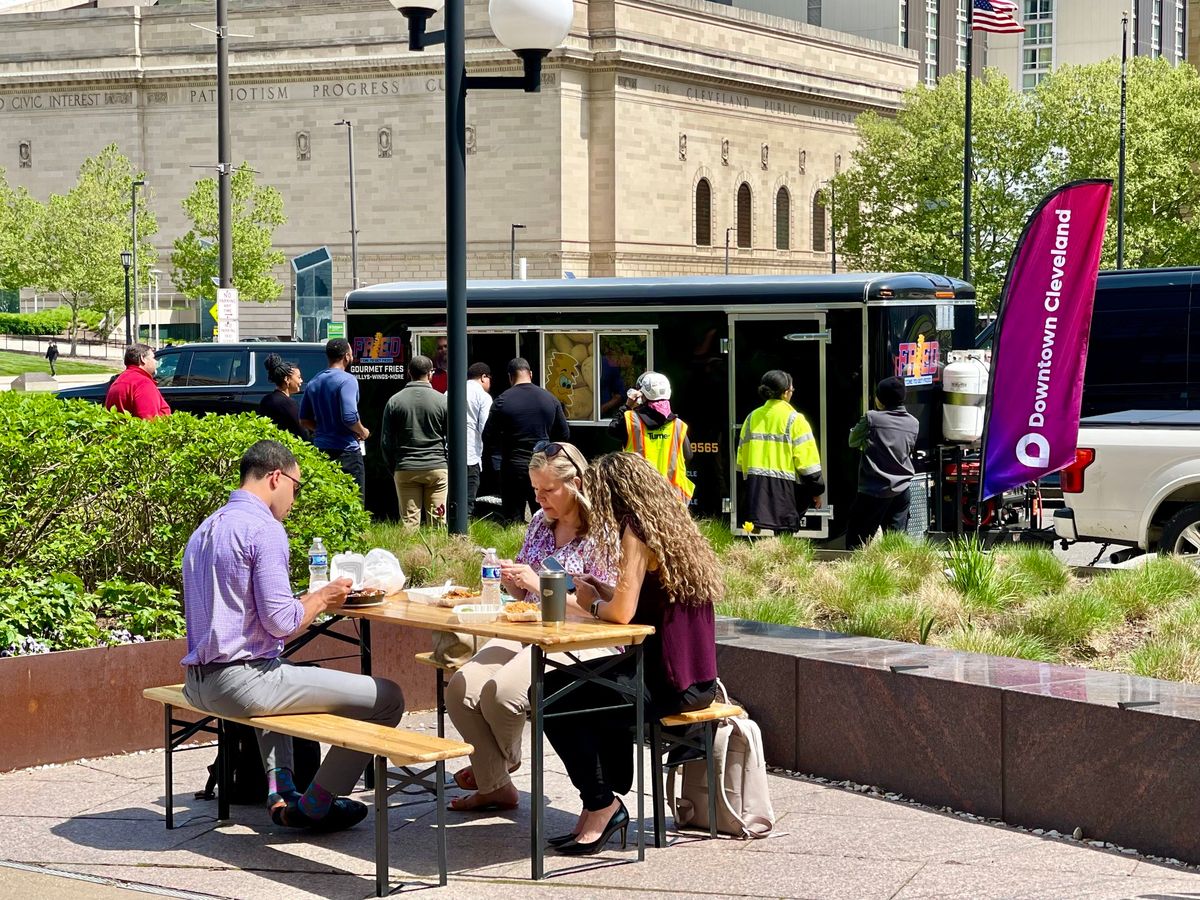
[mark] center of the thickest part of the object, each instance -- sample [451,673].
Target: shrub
[1171,658]
[1070,620]
[891,618]
[1032,571]
[984,640]
[102,495]
[39,613]
[1138,592]
[46,322]
[973,574]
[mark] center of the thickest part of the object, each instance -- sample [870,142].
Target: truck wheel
[1181,534]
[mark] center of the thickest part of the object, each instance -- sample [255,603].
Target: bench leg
[167,766]
[224,764]
[381,826]
[713,787]
[364,667]
[659,796]
[440,774]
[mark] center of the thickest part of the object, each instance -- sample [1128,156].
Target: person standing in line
[440,379]
[239,607]
[330,411]
[887,436]
[413,441]
[778,459]
[479,405]
[279,405]
[648,428]
[135,391]
[52,356]
[523,417]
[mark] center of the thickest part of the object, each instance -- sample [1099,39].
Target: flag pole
[1121,152]
[966,231]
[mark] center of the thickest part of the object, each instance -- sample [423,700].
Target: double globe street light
[531,29]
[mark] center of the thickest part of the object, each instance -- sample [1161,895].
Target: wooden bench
[662,744]
[403,748]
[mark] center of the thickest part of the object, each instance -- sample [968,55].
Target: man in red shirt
[135,391]
[440,377]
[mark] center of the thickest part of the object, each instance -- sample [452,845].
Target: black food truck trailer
[588,340]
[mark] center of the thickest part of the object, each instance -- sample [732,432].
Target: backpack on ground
[247,778]
[743,798]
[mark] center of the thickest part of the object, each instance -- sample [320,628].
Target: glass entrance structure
[312,294]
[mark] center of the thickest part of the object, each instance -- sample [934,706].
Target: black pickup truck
[217,378]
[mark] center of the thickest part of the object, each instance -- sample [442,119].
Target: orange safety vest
[662,447]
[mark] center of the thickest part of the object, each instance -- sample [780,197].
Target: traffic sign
[335,330]
[227,315]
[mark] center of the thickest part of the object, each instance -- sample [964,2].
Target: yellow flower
[748,527]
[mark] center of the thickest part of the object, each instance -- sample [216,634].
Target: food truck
[588,340]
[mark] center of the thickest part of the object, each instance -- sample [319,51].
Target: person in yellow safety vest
[778,458]
[648,427]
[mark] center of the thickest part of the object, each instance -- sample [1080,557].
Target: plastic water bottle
[490,576]
[318,564]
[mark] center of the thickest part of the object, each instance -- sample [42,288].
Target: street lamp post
[512,250]
[133,216]
[1121,149]
[155,273]
[353,217]
[727,233]
[832,228]
[224,151]
[531,29]
[127,261]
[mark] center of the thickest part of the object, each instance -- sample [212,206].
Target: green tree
[257,212]
[18,212]
[899,205]
[77,239]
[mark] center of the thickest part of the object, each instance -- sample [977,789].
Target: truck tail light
[1072,476]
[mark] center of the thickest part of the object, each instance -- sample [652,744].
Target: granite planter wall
[57,707]
[1028,743]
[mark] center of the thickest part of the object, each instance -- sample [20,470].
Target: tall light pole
[512,250]
[127,261]
[224,153]
[353,217]
[133,216]
[531,29]
[727,231]
[155,273]
[1121,149]
[832,228]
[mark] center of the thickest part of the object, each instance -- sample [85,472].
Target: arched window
[783,210]
[818,222]
[743,216]
[703,213]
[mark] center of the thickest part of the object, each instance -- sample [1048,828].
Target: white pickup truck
[1135,481]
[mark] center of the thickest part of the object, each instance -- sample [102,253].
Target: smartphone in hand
[553,565]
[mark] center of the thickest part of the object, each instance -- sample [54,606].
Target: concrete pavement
[103,819]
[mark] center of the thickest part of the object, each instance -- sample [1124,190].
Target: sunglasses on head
[551,449]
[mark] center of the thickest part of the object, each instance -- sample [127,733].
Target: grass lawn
[1017,601]
[13,363]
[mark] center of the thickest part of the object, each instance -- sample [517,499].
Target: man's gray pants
[275,687]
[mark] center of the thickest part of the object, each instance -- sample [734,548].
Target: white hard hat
[654,386]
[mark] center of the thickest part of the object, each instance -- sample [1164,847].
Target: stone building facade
[650,106]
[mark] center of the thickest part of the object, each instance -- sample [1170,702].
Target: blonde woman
[668,577]
[487,699]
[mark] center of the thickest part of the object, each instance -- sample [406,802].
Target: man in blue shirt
[330,411]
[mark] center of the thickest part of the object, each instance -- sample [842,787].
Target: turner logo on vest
[1042,337]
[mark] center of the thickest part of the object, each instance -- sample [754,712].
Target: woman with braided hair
[278,406]
[668,577]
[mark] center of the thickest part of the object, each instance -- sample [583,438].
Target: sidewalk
[103,818]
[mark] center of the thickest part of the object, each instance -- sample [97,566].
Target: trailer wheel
[1181,534]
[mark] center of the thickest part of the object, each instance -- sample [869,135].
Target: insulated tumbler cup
[553,586]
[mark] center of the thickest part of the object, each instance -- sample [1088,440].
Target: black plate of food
[371,597]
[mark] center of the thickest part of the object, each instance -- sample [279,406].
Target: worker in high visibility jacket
[648,427]
[779,460]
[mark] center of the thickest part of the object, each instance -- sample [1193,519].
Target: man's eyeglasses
[551,449]
[296,483]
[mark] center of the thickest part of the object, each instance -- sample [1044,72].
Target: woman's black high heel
[559,839]
[618,822]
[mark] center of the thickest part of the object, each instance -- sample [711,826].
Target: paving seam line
[109,882]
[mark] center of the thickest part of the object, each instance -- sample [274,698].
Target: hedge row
[46,322]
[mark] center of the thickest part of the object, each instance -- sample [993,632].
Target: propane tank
[964,390]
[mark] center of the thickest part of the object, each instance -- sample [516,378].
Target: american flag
[996,16]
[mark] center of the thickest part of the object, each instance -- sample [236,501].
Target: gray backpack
[743,798]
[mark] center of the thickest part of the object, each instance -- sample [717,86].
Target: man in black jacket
[886,436]
[524,415]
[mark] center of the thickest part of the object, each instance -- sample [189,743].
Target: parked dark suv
[218,378]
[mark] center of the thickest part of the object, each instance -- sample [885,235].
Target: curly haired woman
[668,577]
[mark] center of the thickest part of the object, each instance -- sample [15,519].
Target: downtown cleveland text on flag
[1040,349]
[996,16]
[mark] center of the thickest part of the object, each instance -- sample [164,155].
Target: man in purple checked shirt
[240,608]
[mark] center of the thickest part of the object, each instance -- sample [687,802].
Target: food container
[523,615]
[477,613]
[438,596]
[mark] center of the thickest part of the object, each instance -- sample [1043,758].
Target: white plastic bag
[382,571]
[348,565]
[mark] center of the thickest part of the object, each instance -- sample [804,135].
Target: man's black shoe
[343,813]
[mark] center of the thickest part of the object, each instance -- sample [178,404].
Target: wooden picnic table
[577,633]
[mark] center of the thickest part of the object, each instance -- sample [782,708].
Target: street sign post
[227,316]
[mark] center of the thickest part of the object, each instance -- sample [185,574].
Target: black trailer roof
[703,290]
